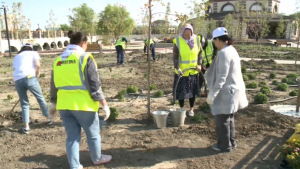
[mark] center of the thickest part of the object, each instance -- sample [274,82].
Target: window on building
[228,8]
[275,9]
[209,9]
[256,7]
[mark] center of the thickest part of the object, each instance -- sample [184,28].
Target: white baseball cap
[220,31]
[27,44]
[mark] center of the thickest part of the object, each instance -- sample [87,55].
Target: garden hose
[175,89]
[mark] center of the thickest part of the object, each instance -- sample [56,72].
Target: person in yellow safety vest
[76,93]
[152,48]
[121,45]
[209,52]
[187,52]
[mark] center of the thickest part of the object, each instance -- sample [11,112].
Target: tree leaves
[115,21]
[83,19]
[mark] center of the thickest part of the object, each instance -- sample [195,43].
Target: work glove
[107,112]
[180,73]
[211,97]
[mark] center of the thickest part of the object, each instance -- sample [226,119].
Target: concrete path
[287,62]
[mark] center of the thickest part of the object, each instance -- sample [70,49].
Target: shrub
[282,87]
[275,82]
[132,89]
[292,76]
[288,81]
[159,93]
[252,85]
[153,87]
[114,113]
[121,95]
[245,78]
[284,80]
[204,107]
[244,69]
[199,118]
[294,93]
[172,102]
[272,75]
[264,83]
[251,76]
[42,75]
[10,97]
[265,90]
[261,98]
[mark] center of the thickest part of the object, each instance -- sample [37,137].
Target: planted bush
[282,87]
[265,90]
[153,87]
[121,95]
[132,89]
[252,76]
[244,69]
[274,82]
[10,97]
[252,85]
[245,78]
[204,107]
[114,114]
[272,75]
[292,76]
[294,93]
[264,83]
[199,118]
[261,98]
[284,80]
[42,75]
[288,81]
[159,93]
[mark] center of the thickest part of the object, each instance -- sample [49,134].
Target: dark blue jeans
[152,48]
[120,54]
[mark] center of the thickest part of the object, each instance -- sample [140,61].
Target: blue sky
[38,10]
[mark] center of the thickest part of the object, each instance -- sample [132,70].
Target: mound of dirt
[255,119]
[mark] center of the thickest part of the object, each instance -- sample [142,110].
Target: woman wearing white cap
[226,89]
[26,66]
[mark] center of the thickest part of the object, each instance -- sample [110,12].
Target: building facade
[249,12]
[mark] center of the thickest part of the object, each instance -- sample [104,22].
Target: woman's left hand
[198,68]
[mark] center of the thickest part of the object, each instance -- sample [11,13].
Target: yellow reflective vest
[120,42]
[208,52]
[69,79]
[151,41]
[187,57]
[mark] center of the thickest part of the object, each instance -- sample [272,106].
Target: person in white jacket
[226,87]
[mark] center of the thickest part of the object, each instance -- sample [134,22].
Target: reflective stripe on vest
[83,86]
[208,53]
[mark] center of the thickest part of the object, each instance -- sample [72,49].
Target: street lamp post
[6,25]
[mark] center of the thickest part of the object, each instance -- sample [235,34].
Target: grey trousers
[225,131]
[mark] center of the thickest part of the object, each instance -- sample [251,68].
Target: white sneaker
[191,113]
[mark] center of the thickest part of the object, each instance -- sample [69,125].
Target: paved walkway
[288,62]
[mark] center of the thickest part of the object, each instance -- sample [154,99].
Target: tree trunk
[296,57]
[148,58]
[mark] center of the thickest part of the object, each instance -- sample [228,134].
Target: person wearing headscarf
[226,87]
[187,52]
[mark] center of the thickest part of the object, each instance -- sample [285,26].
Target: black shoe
[216,148]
